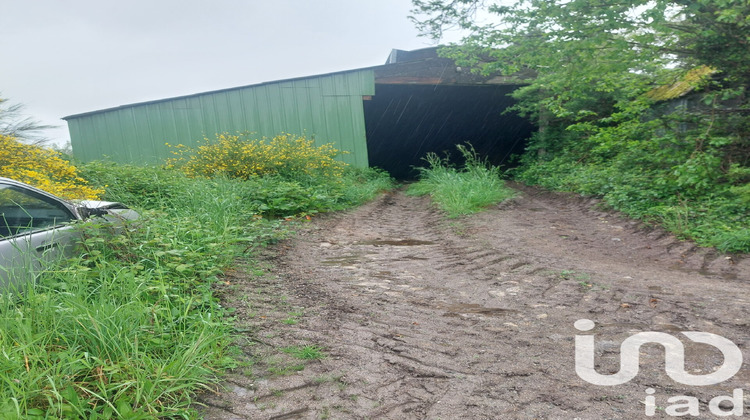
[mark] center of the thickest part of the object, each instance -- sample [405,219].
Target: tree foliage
[585,51]
[604,71]
[13,123]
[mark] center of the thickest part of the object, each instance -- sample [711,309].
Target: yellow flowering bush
[240,156]
[43,168]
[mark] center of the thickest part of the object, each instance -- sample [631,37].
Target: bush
[156,188]
[460,192]
[149,187]
[43,168]
[663,178]
[131,327]
[360,185]
[294,158]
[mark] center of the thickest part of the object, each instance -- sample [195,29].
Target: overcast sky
[60,58]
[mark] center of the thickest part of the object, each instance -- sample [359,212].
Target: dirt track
[426,318]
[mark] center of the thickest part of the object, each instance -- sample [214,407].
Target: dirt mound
[427,318]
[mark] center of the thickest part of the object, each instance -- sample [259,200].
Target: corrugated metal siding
[328,107]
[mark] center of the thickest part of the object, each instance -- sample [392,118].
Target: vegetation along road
[544,306]
[392,311]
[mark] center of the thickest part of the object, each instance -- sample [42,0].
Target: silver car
[37,227]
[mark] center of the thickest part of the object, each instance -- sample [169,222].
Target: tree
[597,61]
[605,73]
[611,50]
[13,123]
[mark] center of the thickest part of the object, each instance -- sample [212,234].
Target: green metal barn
[388,116]
[328,107]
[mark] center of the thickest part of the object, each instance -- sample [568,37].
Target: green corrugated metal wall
[328,107]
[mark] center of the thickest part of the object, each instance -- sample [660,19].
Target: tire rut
[426,318]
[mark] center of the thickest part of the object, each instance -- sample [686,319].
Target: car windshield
[23,211]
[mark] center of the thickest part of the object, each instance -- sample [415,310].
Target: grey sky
[66,57]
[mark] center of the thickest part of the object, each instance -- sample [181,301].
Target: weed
[267,406]
[582,276]
[130,327]
[305,352]
[571,274]
[566,274]
[460,192]
[270,197]
[277,369]
[587,286]
[293,318]
[648,171]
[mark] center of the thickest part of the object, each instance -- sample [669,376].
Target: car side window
[23,211]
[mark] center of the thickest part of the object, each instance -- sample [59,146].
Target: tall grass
[642,186]
[130,327]
[458,192]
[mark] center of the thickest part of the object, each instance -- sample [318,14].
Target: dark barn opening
[405,122]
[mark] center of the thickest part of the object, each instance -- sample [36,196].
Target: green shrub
[676,181]
[130,327]
[461,191]
[240,156]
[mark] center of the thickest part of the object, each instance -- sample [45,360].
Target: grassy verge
[715,215]
[461,191]
[130,328]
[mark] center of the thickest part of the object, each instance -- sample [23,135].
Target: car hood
[96,204]
[112,208]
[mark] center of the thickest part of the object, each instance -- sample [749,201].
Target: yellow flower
[43,168]
[239,155]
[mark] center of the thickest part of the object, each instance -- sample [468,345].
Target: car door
[34,229]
